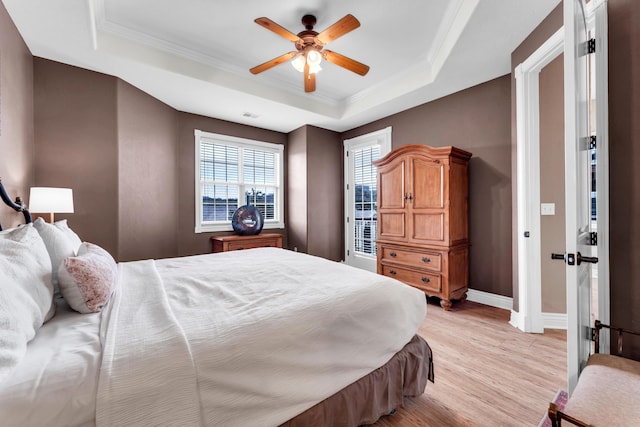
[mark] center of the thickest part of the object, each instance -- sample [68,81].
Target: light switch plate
[547,208]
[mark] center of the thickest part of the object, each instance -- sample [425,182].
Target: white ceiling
[195,55]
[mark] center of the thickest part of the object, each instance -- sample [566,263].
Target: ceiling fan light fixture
[314,58]
[311,57]
[298,63]
[313,69]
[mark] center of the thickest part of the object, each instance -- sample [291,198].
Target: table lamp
[51,200]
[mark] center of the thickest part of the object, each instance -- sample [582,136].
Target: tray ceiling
[195,55]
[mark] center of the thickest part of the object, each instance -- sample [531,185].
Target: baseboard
[554,320]
[489,299]
[549,320]
[516,320]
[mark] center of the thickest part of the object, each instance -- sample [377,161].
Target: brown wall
[546,29]
[624,172]
[147,176]
[552,228]
[16,118]
[76,145]
[129,159]
[315,197]
[190,243]
[325,196]
[476,120]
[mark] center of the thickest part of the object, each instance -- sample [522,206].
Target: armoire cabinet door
[391,201]
[429,185]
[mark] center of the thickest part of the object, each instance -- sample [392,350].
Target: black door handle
[589,259]
[568,258]
[572,259]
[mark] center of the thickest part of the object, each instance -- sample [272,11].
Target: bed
[262,337]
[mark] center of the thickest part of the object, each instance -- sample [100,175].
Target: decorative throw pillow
[71,235]
[87,280]
[58,245]
[26,293]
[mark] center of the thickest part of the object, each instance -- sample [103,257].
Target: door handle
[572,259]
[568,258]
[589,259]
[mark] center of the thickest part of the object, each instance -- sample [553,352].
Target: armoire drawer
[418,259]
[428,282]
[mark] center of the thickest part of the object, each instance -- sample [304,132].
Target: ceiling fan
[310,48]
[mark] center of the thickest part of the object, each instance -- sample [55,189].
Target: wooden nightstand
[236,243]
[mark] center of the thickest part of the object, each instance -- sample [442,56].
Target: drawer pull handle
[426,279]
[425,259]
[392,272]
[393,254]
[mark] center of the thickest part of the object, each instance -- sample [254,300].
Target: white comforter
[248,338]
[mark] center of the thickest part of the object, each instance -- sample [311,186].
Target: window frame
[241,143]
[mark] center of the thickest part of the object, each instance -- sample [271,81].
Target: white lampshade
[298,63]
[313,69]
[314,58]
[51,200]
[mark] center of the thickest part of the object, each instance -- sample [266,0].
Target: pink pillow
[86,281]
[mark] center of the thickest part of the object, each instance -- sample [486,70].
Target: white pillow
[58,245]
[87,280]
[71,235]
[26,293]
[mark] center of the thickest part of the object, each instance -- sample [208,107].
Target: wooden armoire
[423,225]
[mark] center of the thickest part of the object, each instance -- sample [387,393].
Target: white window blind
[365,199]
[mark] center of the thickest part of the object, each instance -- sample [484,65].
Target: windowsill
[212,228]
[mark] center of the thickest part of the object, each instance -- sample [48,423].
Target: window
[364,180]
[231,172]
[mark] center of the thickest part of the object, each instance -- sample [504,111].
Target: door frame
[383,138]
[529,316]
[597,19]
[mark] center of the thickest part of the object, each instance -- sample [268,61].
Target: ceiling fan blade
[275,61]
[340,28]
[279,30]
[309,80]
[345,62]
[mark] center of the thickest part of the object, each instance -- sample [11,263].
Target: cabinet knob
[392,272]
[425,259]
[426,279]
[393,254]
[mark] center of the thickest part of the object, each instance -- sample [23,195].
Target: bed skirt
[376,394]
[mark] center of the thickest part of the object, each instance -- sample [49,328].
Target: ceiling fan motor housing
[309,21]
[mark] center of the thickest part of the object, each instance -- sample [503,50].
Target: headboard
[18,206]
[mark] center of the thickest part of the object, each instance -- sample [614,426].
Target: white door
[578,250]
[360,196]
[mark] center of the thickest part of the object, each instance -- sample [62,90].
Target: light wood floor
[487,373]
